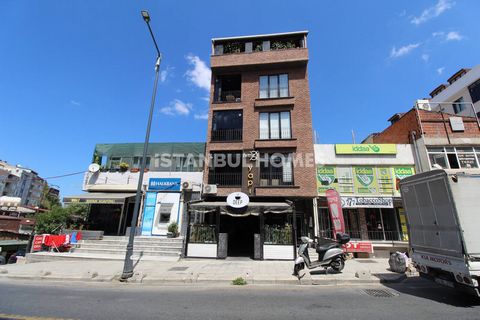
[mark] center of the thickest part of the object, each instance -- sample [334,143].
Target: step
[123,247]
[62,256]
[142,241]
[120,252]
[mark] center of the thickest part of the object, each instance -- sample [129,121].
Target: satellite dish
[93,168]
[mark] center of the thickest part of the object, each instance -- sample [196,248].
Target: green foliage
[123,166]
[201,233]
[232,47]
[277,45]
[48,200]
[278,234]
[239,281]
[58,218]
[173,228]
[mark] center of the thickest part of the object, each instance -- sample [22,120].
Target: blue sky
[77,73]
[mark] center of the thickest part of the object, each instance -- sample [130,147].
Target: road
[412,299]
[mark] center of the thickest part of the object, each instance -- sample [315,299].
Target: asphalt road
[412,299]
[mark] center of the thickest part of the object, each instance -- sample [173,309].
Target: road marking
[20,317]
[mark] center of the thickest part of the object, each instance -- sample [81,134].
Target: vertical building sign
[365,181]
[335,208]
[149,213]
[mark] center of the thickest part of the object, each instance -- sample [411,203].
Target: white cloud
[440,70]
[396,53]
[166,73]
[203,116]
[177,107]
[199,73]
[432,12]
[454,36]
[425,57]
[75,103]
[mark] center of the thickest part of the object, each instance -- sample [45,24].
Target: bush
[58,218]
[173,228]
[239,281]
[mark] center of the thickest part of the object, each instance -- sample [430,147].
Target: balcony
[225,179]
[226,135]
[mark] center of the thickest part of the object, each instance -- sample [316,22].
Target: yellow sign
[366,149]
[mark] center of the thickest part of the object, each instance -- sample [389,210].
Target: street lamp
[128,263]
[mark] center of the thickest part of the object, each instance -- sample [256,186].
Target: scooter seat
[322,247]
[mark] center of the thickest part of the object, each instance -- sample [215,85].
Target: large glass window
[276,169]
[458,105]
[275,125]
[227,125]
[137,162]
[274,86]
[454,157]
[474,90]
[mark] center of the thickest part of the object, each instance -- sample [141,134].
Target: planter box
[277,252]
[202,250]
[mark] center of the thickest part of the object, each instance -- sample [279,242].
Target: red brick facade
[251,66]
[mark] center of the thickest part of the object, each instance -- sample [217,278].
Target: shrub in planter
[173,229]
[123,166]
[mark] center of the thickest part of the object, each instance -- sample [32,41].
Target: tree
[48,200]
[59,218]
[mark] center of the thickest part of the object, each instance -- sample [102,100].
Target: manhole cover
[178,269]
[365,261]
[380,293]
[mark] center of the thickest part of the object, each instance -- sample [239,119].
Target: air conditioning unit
[187,185]
[210,189]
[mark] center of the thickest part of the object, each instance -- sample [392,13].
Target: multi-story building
[173,175]
[259,143]
[23,183]
[444,131]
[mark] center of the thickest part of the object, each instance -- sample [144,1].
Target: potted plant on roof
[134,169]
[123,166]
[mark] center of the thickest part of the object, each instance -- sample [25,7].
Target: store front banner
[336,213]
[367,202]
[358,246]
[164,184]
[366,149]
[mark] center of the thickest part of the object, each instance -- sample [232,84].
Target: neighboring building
[460,96]
[14,234]
[173,176]
[259,142]
[366,176]
[17,181]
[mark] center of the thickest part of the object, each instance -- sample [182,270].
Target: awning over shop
[253,208]
[99,198]
[4,243]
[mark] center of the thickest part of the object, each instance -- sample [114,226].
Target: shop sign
[365,180]
[325,178]
[37,243]
[358,246]
[367,202]
[164,184]
[457,124]
[366,149]
[238,200]
[94,201]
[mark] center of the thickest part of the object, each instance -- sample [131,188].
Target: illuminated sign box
[366,149]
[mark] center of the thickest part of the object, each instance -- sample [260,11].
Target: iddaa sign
[238,200]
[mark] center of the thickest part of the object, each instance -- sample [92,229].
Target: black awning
[253,208]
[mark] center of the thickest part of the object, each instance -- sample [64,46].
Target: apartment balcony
[225,179]
[226,135]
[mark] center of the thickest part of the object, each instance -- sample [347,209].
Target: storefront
[259,228]
[366,177]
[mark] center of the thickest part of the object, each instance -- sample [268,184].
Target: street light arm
[159,55]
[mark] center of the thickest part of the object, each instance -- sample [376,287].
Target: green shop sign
[325,179]
[366,149]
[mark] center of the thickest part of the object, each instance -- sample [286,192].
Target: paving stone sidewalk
[203,272]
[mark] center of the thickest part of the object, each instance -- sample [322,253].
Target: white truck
[443,216]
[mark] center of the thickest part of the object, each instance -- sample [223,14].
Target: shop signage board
[149,213]
[359,246]
[164,184]
[37,243]
[366,149]
[365,181]
[367,202]
[238,200]
[336,213]
[326,176]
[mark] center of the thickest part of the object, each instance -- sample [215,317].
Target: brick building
[260,143]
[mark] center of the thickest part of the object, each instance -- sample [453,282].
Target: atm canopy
[253,208]
[99,198]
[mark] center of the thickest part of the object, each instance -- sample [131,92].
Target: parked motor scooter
[330,254]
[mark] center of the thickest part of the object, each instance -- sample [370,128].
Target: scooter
[330,254]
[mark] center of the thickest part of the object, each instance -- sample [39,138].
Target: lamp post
[128,263]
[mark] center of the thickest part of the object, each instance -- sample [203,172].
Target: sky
[75,73]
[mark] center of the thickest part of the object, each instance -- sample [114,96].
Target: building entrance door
[240,232]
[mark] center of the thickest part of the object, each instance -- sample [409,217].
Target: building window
[274,86]
[275,125]
[137,162]
[115,162]
[458,105]
[454,157]
[227,125]
[225,169]
[276,170]
[474,90]
[228,88]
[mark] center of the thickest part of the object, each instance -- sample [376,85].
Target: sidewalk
[203,272]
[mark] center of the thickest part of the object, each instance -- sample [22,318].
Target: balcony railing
[384,235]
[227,135]
[275,179]
[229,96]
[225,179]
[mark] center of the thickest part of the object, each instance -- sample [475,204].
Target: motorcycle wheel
[338,264]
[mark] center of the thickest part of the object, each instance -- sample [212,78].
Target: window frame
[455,151]
[269,170]
[458,105]
[474,86]
[279,125]
[277,75]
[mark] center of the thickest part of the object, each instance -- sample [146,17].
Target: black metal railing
[384,235]
[229,96]
[225,179]
[275,179]
[227,135]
